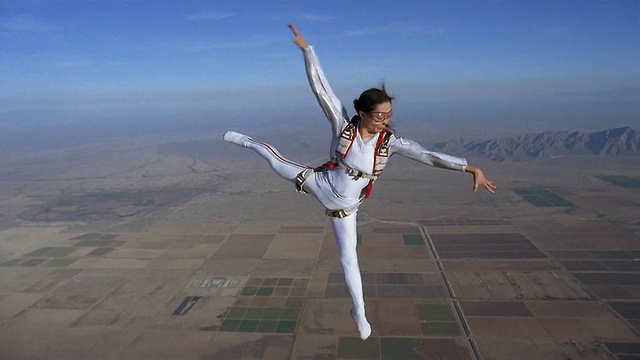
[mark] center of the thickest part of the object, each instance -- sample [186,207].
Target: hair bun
[370,98]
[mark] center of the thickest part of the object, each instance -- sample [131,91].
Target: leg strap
[301,178]
[340,213]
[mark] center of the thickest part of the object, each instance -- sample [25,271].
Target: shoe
[236,138]
[361,321]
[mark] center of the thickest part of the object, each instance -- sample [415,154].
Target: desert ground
[181,246]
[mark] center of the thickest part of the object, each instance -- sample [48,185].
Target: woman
[360,148]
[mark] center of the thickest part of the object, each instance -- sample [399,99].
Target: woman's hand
[479,179]
[299,40]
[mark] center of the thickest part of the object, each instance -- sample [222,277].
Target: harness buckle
[339,213]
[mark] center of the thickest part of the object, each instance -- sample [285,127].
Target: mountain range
[616,141]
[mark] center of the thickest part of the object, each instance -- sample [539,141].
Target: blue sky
[184,55]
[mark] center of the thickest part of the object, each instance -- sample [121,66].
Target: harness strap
[301,178]
[347,137]
[353,172]
[341,213]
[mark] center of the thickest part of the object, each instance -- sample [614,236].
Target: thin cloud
[71,64]
[315,18]
[180,45]
[364,31]
[434,30]
[256,41]
[24,23]
[192,47]
[557,30]
[209,15]
[287,17]
[403,29]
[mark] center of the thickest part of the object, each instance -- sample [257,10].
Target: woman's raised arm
[332,107]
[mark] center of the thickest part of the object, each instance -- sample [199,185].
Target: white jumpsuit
[335,188]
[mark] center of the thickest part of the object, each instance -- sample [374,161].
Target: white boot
[358,315]
[236,138]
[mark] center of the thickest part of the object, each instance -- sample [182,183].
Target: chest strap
[357,174]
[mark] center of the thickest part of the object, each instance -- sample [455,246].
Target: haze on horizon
[460,67]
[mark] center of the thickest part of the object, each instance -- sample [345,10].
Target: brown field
[186,247]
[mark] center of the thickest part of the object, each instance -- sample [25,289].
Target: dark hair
[370,98]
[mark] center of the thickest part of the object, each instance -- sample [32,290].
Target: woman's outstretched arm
[415,151]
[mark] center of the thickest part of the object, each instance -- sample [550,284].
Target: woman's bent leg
[287,169]
[346,234]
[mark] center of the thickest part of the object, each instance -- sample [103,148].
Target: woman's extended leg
[346,234]
[287,169]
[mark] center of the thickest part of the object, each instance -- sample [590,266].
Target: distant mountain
[618,141]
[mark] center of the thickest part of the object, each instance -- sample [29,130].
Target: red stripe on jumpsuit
[275,153]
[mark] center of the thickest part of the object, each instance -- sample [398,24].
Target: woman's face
[378,119]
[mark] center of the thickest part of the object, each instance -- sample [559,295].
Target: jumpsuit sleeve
[415,151]
[332,107]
